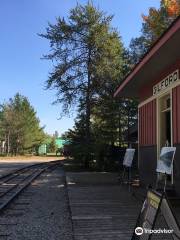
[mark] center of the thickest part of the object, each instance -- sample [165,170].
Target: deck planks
[101,210]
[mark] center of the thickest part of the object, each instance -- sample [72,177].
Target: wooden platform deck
[101,208]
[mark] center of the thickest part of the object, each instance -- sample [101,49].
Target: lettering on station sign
[166,82]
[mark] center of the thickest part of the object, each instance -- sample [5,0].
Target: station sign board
[166,83]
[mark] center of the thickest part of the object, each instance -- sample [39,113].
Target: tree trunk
[88,112]
[119,127]
[8,143]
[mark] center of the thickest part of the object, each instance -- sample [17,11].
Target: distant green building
[43,148]
[60,142]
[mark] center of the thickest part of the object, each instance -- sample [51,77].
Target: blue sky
[22,70]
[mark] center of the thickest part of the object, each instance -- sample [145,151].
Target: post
[165,182]
[129,178]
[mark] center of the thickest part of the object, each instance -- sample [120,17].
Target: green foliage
[52,147]
[87,54]
[19,125]
[77,139]
[78,48]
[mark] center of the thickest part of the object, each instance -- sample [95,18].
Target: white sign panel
[166,82]
[128,158]
[165,163]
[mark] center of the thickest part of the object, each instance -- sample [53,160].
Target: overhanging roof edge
[155,47]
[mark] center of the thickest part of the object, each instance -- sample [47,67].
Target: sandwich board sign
[128,158]
[165,163]
[154,204]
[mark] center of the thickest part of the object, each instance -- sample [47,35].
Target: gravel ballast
[40,212]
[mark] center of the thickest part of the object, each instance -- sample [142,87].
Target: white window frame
[158,130]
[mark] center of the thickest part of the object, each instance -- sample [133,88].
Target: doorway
[165,124]
[165,128]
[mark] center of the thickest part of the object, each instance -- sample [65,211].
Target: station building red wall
[147,120]
[148,131]
[147,143]
[147,124]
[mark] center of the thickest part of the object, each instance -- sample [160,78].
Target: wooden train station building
[155,82]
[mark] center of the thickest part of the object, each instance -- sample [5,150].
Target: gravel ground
[40,212]
[8,165]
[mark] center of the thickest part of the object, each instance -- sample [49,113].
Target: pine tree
[84,49]
[19,125]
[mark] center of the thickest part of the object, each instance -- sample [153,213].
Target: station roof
[164,52]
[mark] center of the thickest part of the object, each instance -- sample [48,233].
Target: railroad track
[12,184]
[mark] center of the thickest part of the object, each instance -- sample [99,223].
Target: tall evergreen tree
[19,125]
[83,49]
